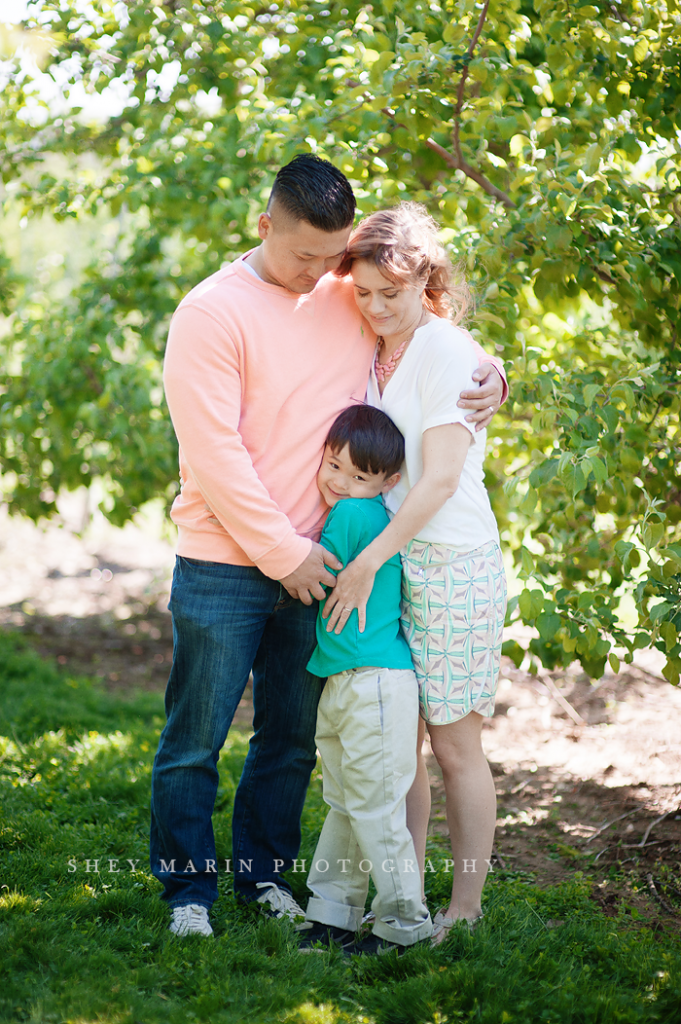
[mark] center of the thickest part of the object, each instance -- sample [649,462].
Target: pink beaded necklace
[385,370]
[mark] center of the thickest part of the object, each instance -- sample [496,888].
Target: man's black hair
[312,189]
[375,443]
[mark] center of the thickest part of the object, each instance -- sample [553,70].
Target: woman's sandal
[442,925]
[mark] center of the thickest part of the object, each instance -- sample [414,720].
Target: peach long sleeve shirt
[254,377]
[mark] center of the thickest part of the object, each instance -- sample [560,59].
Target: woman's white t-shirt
[423,392]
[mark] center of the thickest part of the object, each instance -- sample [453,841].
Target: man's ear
[390,482]
[264,225]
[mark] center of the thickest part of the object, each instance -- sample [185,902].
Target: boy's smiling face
[338,478]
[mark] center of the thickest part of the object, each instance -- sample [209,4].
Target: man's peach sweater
[254,377]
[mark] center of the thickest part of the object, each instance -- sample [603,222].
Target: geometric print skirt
[453,609]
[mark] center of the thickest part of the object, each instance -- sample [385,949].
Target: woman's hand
[486,399]
[352,590]
[444,453]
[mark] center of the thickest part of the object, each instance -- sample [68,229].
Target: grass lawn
[83,935]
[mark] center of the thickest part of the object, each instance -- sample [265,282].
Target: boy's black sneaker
[322,937]
[373,945]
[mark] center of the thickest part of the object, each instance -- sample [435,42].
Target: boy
[368,712]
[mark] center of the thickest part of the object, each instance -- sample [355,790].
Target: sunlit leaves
[570,111]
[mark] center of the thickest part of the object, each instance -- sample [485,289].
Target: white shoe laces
[191,919]
[281,901]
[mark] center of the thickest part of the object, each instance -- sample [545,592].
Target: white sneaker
[192,919]
[280,903]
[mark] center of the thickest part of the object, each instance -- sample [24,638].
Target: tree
[544,138]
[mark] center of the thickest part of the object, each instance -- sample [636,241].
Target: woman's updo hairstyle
[403,244]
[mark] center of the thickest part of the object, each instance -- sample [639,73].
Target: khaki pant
[366,735]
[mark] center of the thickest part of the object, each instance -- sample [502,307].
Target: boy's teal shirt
[352,524]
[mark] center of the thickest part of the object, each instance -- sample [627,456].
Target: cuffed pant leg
[339,888]
[377,721]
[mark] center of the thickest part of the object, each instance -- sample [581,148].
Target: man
[261,358]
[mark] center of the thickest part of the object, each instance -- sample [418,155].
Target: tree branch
[456,160]
[469,55]
[607,825]
[654,823]
[459,164]
[616,13]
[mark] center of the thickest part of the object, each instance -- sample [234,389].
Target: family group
[337,543]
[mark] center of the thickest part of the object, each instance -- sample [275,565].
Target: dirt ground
[588,775]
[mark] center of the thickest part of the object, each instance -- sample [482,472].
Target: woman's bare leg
[471,809]
[418,804]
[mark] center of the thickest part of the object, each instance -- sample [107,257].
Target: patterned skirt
[453,608]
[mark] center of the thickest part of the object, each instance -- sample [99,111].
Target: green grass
[83,946]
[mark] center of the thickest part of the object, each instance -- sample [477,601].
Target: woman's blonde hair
[403,243]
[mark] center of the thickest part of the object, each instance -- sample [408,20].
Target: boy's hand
[309,579]
[353,589]
[486,399]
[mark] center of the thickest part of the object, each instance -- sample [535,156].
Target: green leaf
[527,561]
[611,416]
[548,624]
[674,551]
[530,603]
[478,70]
[669,634]
[518,143]
[512,649]
[579,480]
[544,472]
[592,158]
[529,502]
[484,314]
[510,608]
[623,391]
[599,470]
[659,611]
[652,534]
[614,662]
[623,550]
[567,205]
[453,32]
[379,66]
[672,671]
[553,270]
[641,50]
[589,393]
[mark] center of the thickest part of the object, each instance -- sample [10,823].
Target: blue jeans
[227,620]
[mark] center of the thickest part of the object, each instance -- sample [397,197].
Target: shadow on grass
[83,935]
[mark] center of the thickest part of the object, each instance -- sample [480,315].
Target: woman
[454,588]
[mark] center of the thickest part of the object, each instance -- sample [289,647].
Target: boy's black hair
[375,443]
[312,189]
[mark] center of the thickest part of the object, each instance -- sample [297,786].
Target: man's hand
[305,583]
[486,399]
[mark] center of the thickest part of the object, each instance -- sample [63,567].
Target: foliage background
[543,136]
